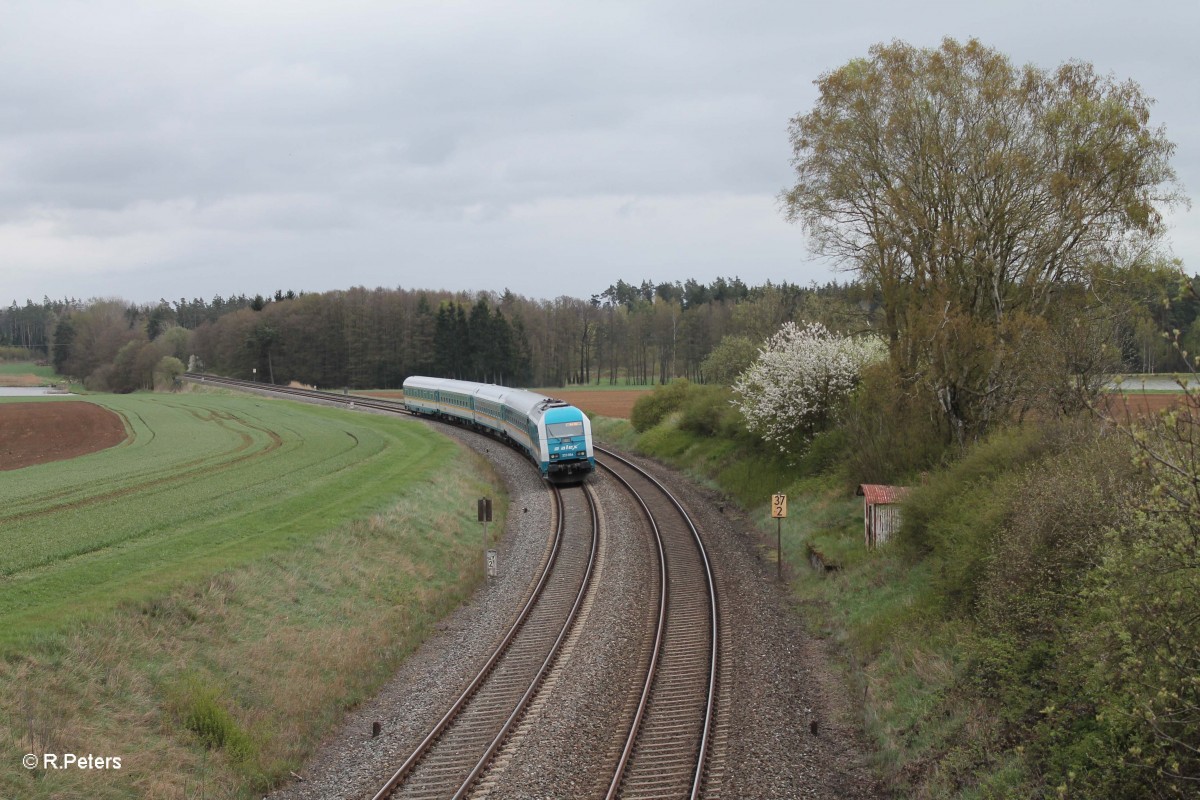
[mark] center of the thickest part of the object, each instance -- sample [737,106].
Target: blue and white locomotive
[557,436]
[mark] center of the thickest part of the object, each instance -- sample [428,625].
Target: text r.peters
[71,760]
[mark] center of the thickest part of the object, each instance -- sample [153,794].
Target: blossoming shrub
[800,381]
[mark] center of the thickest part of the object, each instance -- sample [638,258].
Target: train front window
[563,430]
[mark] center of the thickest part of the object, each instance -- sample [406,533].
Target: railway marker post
[779,512]
[484,512]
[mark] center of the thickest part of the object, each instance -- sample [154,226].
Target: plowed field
[35,433]
[1138,404]
[22,380]
[616,403]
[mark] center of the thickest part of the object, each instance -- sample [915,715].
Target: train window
[561,430]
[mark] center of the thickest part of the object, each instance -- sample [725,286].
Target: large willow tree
[988,205]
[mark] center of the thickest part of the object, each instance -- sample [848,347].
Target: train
[555,435]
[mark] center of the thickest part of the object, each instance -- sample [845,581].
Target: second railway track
[669,741]
[667,744]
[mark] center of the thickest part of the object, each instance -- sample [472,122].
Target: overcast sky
[168,149]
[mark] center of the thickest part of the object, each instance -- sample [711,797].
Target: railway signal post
[779,512]
[484,512]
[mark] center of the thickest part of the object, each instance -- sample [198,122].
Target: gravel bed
[777,680]
[591,704]
[353,764]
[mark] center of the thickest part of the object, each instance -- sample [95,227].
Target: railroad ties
[668,744]
[458,750]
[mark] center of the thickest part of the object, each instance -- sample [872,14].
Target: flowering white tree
[799,380]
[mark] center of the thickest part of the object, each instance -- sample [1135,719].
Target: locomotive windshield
[562,430]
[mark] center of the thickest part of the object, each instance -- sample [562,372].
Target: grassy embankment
[208,598]
[1009,643]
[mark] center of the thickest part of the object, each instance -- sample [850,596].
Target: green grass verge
[207,600]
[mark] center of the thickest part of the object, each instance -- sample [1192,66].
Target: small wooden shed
[881,511]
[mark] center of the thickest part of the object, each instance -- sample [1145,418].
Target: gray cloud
[200,147]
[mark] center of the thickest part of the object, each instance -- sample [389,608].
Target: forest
[636,333]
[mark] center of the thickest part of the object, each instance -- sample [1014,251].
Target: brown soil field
[1138,405]
[616,403]
[22,380]
[35,433]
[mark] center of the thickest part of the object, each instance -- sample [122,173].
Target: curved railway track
[460,746]
[668,743]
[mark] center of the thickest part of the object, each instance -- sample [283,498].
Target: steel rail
[342,399]
[710,702]
[656,649]
[660,629]
[551,657]
[402,773]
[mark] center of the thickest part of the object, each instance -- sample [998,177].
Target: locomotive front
[568,437]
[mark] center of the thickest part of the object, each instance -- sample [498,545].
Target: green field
[207,599]
[26,368]
[204,483]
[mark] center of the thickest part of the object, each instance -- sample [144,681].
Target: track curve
[667,746]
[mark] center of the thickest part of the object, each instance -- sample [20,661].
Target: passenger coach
[555,435]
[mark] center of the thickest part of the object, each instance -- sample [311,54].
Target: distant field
[206,481]
[612,402]
[25,367]
[25,373]
[1138,403]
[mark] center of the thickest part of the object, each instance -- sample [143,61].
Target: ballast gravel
[777,680]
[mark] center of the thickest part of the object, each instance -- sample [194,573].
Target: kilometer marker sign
[778,506]
[778,513]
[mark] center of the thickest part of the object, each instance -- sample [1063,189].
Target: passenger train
[555,435]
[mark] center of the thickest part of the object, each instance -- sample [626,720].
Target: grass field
[25,373]
[206,482]
[208,598]
[25,368]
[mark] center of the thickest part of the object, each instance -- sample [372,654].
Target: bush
[953,520]
[706,411]
[9,353]
[203,714]
[891,430]
[800,382]
[650,409]
[167,372]
[1068,502]
[730,358]
[100,380]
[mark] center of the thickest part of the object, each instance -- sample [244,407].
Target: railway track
[458,749]
[668,743]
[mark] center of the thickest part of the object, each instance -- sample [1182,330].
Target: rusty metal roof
[879,494]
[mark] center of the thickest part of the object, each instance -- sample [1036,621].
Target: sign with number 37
[778,506]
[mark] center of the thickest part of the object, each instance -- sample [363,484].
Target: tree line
[639,333]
